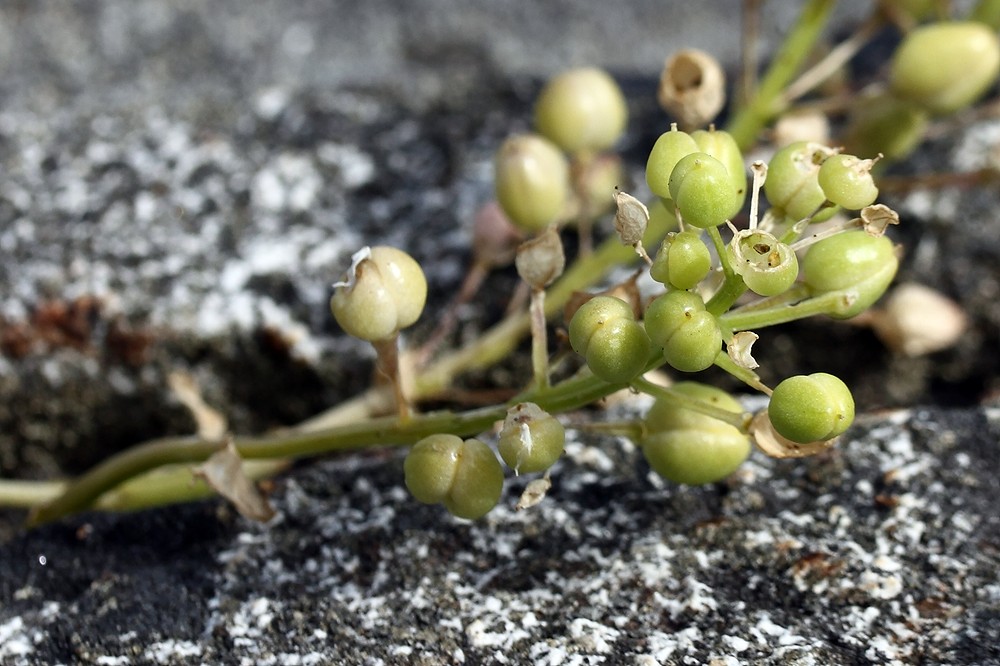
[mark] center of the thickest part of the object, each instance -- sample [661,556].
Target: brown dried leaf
[224,472]
[770,442]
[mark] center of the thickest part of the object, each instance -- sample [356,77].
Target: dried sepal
[631,220]
[765,438]
[223,471]
[533,493]
[210,423]
[692,87]
[739,349]
[877,218]
[541,260]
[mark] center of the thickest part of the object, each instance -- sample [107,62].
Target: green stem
[745,375]
[681,401]
[539,340]
[747,319]
[26,494]
[787,62]
[732,287]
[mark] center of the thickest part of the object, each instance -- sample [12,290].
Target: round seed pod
[531,439]
[946,66]
[811,408]
[854,264]
[581,110]
[847,181]
[685,446]
[604,331]
[767,266]
[683,260]
[703,191]
[722,146]
[690,336]
[667,151]
[465,476]
[531,180]
[792,185]
[384,292]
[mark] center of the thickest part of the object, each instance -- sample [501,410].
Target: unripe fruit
[767,266]
[703,191]
[683,260]
[946,66]
[604,331]
[531,439]
[854,264]
[384,292]
[792,185]
[811,408]
[581,110]
[689,335]
[685,446]
[885,125]
[532,181]
[666,152]
[722,146]
[847,181]
[465,476]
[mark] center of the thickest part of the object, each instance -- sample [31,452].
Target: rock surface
[882,552]
[179,186]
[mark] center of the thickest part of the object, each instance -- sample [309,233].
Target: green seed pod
[532,181]
[689,335]
[666,152]
[792,185]
[847,181]
[854,264]
[383,292]
[685,446]
[722,146]
[604,331]
[811,408]
[703,191]
[885,125]
[581,110]
[946,66]
[767,266]
[683,260]
[465,476]
[531,439]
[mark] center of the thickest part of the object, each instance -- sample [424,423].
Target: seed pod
[666,153]
[683,260]
[465,476]
[946,66]
[885,125]
[531,439]
[685,446]
[855,265]
[847,181]
[722,146]
[604,331]
[767,266]
[689,335]
[692,87]
[811,408]
[532,181]
[581,110]
[540,261]
[792,185]
[383,292]
[703,191]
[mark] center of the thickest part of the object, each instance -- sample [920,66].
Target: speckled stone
[882,552]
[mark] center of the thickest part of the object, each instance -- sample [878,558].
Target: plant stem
[539,340]
[795,49]
[743,320]
[26,494]
[732,287]
[681,401]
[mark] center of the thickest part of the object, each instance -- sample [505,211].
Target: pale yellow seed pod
[581,110]
[383,292]
[532,181]
[692,87]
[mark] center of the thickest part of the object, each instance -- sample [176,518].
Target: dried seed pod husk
[541,260]
[917,320]
[692,87]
